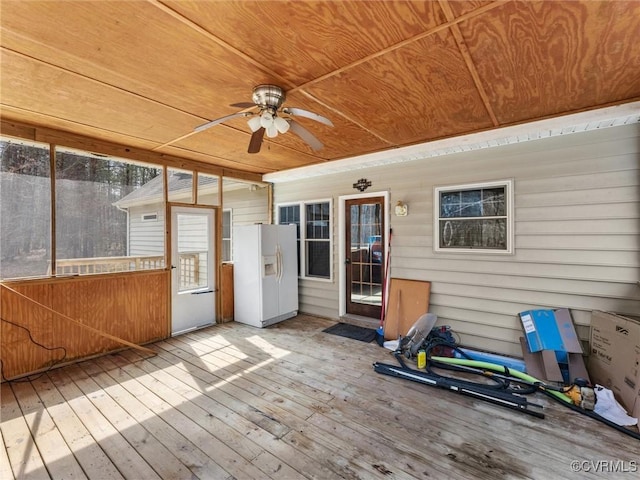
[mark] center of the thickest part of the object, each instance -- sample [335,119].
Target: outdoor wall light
[402,209]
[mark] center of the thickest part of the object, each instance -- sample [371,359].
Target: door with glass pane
[364,256]
[193,279]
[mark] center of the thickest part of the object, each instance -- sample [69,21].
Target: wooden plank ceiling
[387,73]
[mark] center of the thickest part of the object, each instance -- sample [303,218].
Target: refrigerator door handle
[279,263]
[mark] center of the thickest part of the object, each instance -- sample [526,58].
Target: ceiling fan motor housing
[269,96]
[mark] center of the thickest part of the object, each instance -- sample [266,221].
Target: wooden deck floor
[286,402]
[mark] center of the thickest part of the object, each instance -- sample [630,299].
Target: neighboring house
[243,204]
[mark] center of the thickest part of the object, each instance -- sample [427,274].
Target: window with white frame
[227,254]
[313,220]
[474,217]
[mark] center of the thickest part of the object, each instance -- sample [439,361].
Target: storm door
[364,255]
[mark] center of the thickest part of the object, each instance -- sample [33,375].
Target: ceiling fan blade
[256,141]
[243,105]
[305,135]
[307,114]
[204,126]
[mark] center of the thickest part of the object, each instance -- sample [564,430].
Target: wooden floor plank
[5,466]
[285,411]
[266,430]
[324,437]
[244,379]
[201,465]
[122,454]
[221,430]
[53,449]
[21,449]
[275,372]
[159,457]
[95,463]
[203,429]
[285,402]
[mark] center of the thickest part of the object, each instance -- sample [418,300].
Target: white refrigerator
[265,274]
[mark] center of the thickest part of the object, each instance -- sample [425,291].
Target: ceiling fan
[271,118]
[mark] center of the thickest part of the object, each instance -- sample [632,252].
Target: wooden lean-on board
[408,299]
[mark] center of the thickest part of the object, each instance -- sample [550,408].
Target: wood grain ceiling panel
[343,139]
[460,8]
[387,73]
[213,160]
[45,90]
[135,46]
[418,92]
[540,59]
[304,40]
[34,118]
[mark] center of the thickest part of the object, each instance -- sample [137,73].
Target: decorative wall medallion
[362,184]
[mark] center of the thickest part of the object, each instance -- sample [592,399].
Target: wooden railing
[189,266]
[81,266]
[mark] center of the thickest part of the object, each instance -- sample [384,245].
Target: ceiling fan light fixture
[281,124]
[266,119]
[272,130]
[255,123]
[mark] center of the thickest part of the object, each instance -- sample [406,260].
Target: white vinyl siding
[249,206]
[576,233]
[146,237]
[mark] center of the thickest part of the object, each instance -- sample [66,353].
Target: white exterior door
[193,279]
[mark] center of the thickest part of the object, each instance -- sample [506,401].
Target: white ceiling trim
[578,122]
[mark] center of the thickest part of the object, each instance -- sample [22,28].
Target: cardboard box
[615,357]
[550,330]
[552,346]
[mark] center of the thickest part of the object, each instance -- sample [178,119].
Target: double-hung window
[313,220]
[474,218]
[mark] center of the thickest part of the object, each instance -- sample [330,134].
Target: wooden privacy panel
[408,299]
[130,306]
[226,284]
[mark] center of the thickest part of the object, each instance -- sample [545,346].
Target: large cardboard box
[615,357]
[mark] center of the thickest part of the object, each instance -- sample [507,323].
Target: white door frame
[342,275]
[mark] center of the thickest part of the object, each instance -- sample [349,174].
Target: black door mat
[352,331]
